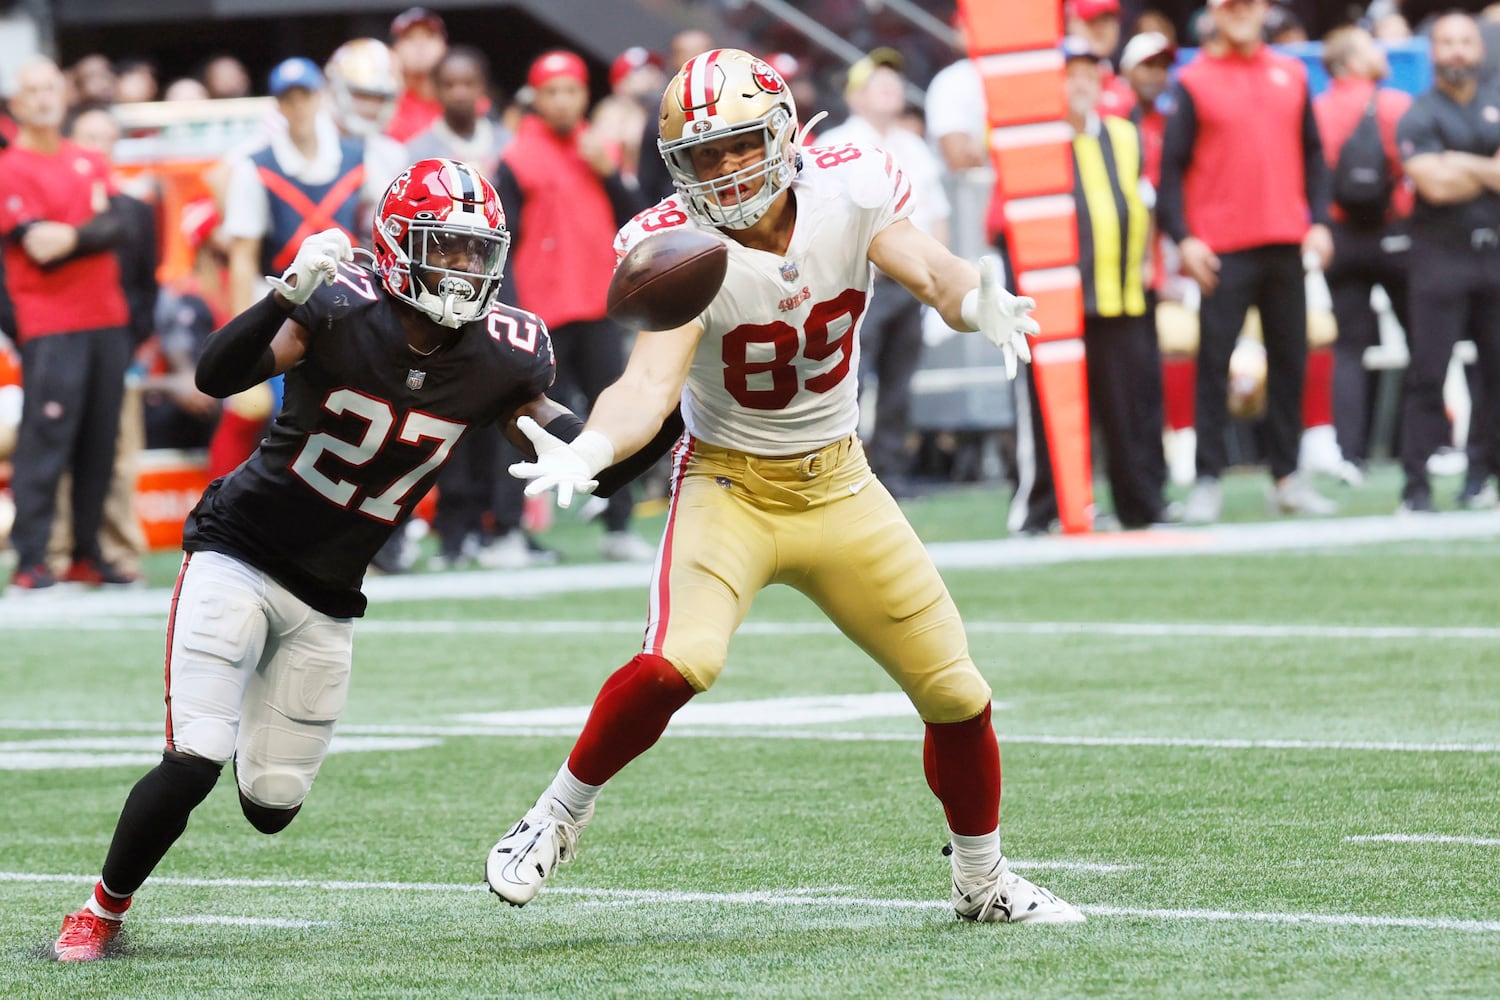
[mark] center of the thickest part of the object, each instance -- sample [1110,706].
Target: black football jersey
[364,428]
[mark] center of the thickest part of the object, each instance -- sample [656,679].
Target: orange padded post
[1015,45]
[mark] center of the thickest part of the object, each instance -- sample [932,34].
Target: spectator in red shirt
[419,38]
[1099,22]
[1244,192]
[563,197]
[71,318]
[1368,250]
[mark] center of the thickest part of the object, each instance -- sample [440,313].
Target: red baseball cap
[634,58]
[415,16]
[1090,9]
[559,62]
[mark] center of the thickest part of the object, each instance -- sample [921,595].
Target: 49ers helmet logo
[767,78]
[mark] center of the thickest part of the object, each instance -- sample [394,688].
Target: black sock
[155,815]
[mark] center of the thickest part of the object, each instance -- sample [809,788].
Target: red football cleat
[92,573]
[85,937]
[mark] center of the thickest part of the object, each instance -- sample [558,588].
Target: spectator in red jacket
[564,200]
[63,280]
[1244,192]
[1098,21]
[419,38]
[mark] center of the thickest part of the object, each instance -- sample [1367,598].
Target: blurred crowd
[1191,322]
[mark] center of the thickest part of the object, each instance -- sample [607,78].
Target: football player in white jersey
[770,484]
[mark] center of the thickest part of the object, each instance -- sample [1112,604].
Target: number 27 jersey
[776,371]
[365,428]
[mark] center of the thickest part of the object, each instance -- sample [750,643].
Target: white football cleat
[1002,896]
[546,837]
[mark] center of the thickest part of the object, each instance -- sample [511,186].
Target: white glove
[1001,316]
[570,468]
[317,261]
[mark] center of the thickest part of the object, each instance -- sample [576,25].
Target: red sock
[962,762]
[1179,387]
[1317,388]
[112,907]
[628,717]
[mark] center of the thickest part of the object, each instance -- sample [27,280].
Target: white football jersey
[776,372]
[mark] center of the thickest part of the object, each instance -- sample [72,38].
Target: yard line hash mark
[1423,838]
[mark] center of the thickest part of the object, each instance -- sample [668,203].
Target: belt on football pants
[784,477]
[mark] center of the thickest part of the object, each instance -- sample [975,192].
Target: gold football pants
[823,524]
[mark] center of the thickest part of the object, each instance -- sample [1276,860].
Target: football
[667,279]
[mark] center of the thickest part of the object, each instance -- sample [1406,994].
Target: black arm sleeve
[1319,182]
[238,354]
[624,198]
[651,173]
[1176,154]
[615,478]
[611,480]
[103,232]
[511,200]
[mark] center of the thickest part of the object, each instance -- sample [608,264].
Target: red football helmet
[441,241]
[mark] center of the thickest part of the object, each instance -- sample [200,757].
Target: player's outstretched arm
[625,417]
[966,297]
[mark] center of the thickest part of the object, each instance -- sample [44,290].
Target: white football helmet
[364,84]
[721,93]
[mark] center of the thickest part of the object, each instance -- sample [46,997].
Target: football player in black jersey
[386,369]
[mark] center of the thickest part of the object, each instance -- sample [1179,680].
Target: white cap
[1146,45]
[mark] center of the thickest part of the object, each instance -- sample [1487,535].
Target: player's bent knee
[197,775]
[275,789]
[207,739]
[955,694]
[663,674]
[267,819]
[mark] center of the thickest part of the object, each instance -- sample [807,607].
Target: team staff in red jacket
[1244,193]
[71,319]
[564,200]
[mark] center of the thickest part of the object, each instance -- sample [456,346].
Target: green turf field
[1239,766]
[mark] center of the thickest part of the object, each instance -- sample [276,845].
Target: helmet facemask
[452,268]
[729,93]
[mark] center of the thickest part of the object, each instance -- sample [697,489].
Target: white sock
[575,796]
[975,854]
[99,909]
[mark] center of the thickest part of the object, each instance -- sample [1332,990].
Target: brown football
[667,279]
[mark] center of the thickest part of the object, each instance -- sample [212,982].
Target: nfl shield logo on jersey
[414,378]
[788,271]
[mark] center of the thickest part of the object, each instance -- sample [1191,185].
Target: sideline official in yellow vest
[1119,332]
[1113,205]
[1119,329]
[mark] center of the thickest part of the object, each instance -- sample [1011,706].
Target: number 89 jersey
[776,372]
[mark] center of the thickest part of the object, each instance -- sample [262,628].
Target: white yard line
[33,611]
[634,626]
[1423,838]
[826,896]
[244,921]
[431,732]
